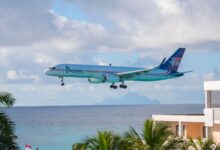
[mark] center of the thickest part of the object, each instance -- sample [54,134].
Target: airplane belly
[150,78]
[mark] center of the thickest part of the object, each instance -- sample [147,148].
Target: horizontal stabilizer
[186,72]
[180,73]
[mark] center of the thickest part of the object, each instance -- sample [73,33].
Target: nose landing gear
[62,81]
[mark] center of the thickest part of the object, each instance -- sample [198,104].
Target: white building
[201,125]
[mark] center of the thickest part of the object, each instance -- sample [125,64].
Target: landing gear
[123,86]
[113,86]
[62,81]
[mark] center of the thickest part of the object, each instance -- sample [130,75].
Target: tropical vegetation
[200,144]
[105,140]
[154,136]
[7,127]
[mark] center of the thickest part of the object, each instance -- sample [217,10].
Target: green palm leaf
[105,140]
[155,136]
[6,99]
[200,144]
[7,136]
[183,144]
[7,127]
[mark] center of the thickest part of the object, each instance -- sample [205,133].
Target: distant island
[129,99]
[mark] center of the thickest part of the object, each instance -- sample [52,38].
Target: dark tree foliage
[7,127]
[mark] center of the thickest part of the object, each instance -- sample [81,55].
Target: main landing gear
[113,86]
[62,81]
[123,86]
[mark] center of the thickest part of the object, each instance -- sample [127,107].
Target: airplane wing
[130,74]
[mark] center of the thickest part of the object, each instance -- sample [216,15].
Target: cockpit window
[52,68]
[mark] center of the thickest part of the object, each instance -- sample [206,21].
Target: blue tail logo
[172,64]
[175,61]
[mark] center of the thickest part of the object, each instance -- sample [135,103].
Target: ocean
[57,128]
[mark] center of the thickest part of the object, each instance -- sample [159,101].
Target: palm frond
[7,136]
[104,140]
[183,144]
[6,99]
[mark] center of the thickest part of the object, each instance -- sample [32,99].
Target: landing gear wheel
[62,81]
[112,86]
[123,86]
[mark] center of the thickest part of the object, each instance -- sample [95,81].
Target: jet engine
[95,80]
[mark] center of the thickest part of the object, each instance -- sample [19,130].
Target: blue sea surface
[57,128]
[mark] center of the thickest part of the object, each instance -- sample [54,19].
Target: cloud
[25,22]
[12,76]
[169,7]
[213,75]
[42,58]
[153,24]
[131,26]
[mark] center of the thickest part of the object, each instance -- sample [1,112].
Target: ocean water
[57,128]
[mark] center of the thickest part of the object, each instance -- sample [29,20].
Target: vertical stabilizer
[172,64]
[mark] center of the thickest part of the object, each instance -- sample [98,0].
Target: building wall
[173,126]
[216,133]
[193,130]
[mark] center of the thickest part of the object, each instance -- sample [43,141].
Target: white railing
[216,114]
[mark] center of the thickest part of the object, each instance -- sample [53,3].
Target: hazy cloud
[153,24]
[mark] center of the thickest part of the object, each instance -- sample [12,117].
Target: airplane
[167,69]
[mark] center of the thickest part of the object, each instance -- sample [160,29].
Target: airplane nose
[47,72]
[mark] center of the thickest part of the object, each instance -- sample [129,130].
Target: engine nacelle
[95,80]
[112,78]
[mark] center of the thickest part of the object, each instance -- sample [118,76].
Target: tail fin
[172,64]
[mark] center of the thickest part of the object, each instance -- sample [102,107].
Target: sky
[35,35]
